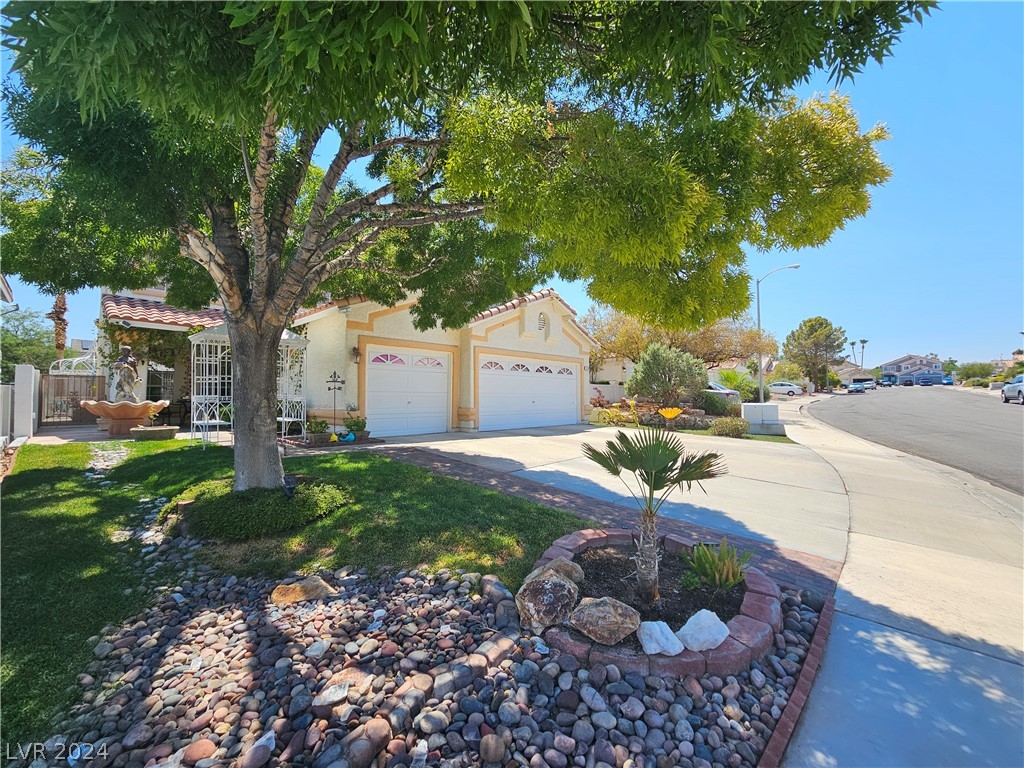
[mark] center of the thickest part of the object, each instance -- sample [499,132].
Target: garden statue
[126,373]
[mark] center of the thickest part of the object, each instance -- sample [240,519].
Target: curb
[773,753]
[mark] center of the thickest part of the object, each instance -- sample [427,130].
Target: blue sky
[937,265]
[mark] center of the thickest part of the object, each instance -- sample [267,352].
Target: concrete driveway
[777,493]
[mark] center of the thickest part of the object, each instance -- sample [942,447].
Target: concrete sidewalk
[923,666]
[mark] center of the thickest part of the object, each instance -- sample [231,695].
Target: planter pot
[102,425]
[364,435]
[153,433]
[319,438]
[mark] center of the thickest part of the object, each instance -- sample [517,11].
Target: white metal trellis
[84,365]
[211,382]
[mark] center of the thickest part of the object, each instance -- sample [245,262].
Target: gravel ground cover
[215,674]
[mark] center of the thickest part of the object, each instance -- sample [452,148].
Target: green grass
[63,579]
[761,438]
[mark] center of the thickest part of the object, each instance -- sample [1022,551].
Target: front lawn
[64,579]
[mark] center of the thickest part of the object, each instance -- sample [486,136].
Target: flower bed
[751,632]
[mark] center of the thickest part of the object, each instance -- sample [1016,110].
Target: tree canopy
[637,146]
[25,337]
[621,335]
[666,375]
[814,345]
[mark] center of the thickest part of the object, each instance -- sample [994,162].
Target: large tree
[637,146]
[815,345]
[619,334]
[25,337]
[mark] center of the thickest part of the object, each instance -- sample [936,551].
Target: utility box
[763,418]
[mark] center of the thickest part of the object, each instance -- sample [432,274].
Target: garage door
[516,393]
[407,392]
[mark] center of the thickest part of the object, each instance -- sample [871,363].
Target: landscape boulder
[657,637]
[546,600]
[605,619]
[703,631]
[310,588]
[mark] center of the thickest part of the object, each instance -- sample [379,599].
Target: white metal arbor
[211,381]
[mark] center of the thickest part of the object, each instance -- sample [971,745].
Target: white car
[729,395]
[869,385]
[785,388]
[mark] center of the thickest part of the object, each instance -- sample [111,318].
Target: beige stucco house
[521,364]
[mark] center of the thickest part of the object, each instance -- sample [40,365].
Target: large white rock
[703,631]
[657,637]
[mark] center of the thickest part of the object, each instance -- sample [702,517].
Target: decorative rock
[102,650]
[605,619]
[757,678]
[604,720]
[593,699]
[310,588]
[703,631]
[547,600]
[492,748]
[138,736]
[657,637]
[560,565]
[198,750]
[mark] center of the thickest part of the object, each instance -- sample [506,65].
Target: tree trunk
[647,559]
[254,404]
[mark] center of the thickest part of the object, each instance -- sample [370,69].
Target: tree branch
[259,180]
[405,141]
[440,212]
[196,246]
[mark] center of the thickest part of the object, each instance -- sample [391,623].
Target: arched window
[491,365]
[543,369]
[430,362]
[520,368]
[542,321]
[388,360]
[565,372]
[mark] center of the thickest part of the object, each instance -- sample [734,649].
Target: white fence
[610,392]
[6,414]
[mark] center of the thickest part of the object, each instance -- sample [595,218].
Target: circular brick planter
[751,632]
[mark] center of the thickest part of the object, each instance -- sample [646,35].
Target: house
[524,363]
[913,368]
[850,373]
[6,294]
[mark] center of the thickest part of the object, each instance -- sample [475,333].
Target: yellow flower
[670,413]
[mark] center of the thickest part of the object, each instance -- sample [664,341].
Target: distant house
[6,294]
[849,373]
[914,368]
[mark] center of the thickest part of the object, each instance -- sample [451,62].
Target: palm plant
[740,381]
[863,343]
[659,464]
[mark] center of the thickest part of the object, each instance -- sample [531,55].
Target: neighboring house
[519,364]
[914,368]
[6,294]
[850,373]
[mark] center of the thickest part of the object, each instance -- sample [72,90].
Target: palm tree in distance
[853,352]
[659,464]
[863,343]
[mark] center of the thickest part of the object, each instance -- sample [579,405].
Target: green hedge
[219,513]
[729,426]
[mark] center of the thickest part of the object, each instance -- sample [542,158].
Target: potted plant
[317,431]
[357,426]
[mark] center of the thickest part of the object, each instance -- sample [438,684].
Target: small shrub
[721,568]
[220,513]
[711,404]
[354,423]
[316,426]
[730,426]
[735,410]
[689,581]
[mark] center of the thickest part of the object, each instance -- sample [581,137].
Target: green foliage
[1014,370]
[25,337]
[721,568]
[316,426]
[785,371]
[658,463]
[815,345]
[712,404]
[666,375]
[219,513]
[689,581]
[354,423]
[974,370]
[730,426]
[735,410]
[741,382]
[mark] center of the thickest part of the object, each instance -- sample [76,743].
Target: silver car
[729,395]
[1014,390]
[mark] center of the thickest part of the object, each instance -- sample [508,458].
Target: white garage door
[407,392]
[518,393]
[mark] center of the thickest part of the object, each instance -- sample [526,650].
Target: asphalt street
[973,432]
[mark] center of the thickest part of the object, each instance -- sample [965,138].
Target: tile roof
[519,301]
[150,311]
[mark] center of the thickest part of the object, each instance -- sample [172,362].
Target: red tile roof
[519,301]
[149,311]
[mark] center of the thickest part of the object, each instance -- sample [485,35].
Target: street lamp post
[757,290]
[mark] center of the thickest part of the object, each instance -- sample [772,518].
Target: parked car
[855,389]
[785,388]
[947,380]
[924,383]
[885,383]
[907,383]
[869,385]
[729,395]
[1014,390]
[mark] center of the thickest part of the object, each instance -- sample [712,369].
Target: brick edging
[751,631]
[772,755]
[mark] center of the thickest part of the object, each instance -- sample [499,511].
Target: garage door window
[520,368]
[564,372]
[493,366]
[543,369]
[430,362]
[388,360]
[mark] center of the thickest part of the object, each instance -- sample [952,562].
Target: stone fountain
[126,410]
